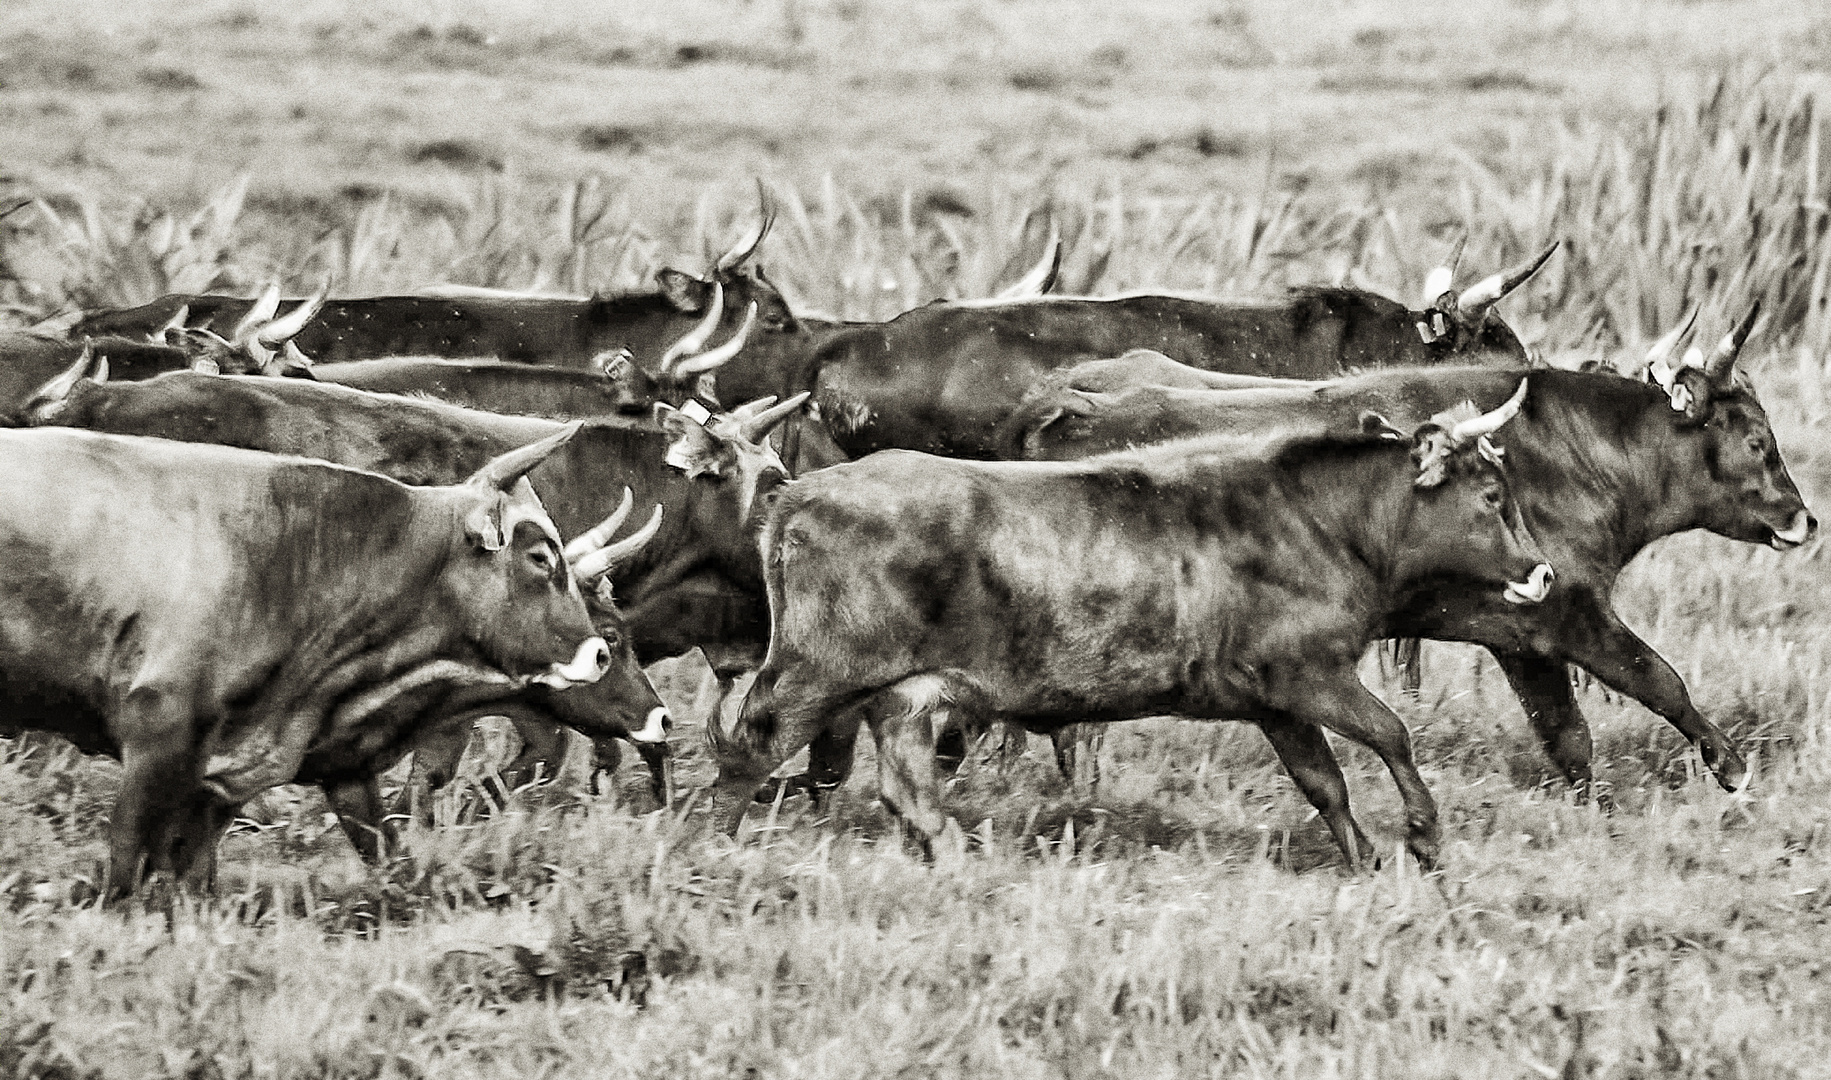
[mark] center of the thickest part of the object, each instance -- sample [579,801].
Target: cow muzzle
[1804,525]
[592,661]
[1534,589]
[656,729]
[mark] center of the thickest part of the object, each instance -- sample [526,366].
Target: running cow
[1212,579]
[943,378]
[224,621]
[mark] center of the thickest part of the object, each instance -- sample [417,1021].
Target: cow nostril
[602,660]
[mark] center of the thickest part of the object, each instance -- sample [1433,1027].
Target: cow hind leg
[364,819]
[1340,703]
[1306,756]
[904,719]
[1543,688]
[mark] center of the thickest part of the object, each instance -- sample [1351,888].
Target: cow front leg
[1339,702]
[193,837]
[781,714]
[372,831]
[1306,755]
[903,720]
[543,751]
[1616,655]
[1077,754]
[159,781]
[1543,688]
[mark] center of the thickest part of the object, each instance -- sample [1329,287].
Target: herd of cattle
[252,544]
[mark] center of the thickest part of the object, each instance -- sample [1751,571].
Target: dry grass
[1189,922]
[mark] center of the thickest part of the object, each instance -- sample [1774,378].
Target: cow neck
[1594,463]
[1335,492]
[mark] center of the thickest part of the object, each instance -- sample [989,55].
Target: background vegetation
[1189,921]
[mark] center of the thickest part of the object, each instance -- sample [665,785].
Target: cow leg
[1341,704]
[606,758]
[435,764]
[779,717]
[363,818]
[1616,655]
[1307,757]
[193,836]
[904,719]
[1077,754]
[1543,688]
[159,779]
[543,744]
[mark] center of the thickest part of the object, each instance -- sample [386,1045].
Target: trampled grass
[1191,920]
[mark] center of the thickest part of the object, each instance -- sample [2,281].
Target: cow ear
[1430,452]
[1689,395]
[691,448]
[483,526]
[1373,424]
[681,289]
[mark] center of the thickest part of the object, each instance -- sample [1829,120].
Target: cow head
[687,368]
[1463,326]
[1739,484]
[260,344]
[1464,523]
[520,604]
[622,704]
[732,448]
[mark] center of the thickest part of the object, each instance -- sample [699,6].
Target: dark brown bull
[1602,466]
[224,621]
[942,378]
[629,332]
[1218,579]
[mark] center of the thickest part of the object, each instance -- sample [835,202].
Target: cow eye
[542,559]
[612,639]
[1493,498]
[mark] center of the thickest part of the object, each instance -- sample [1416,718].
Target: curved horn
[1438,281]
[58,387]
[501,473]
[1724,358]
[285,329]
[1041,277]
[162,336]
[722,355]
[598,535]
[1490,289]
[695,339]
[1660,354]
[747,246]
[750,408]
[260,314]
[1490,422]
[593,564]
[758,427]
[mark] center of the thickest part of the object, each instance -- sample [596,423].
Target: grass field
[1192,919]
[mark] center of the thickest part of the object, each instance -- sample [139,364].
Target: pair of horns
[591,554]
[262,333]
[1477,298]
[1717,365]
[683,358]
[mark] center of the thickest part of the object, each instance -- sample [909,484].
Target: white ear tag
[696,412]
